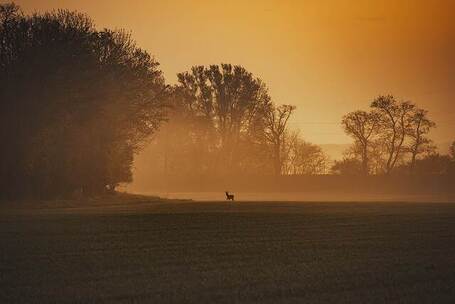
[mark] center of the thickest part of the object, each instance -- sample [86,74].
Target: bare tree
[276,125]
[394,118]
[419,126]
[362,126]
[301,157]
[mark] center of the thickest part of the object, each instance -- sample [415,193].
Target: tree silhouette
[276,126]
[394,118]
[362,126]
[391,134]
[77,103]
[230,99]
[433,164]
[419,126]
[301,157]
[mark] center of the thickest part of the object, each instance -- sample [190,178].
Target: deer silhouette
[229,197]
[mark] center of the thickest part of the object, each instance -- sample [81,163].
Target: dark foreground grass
[218,252]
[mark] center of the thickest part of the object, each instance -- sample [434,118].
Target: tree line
[79,103]
[392,138]
[222,122]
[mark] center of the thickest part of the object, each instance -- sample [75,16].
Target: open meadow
[207,252]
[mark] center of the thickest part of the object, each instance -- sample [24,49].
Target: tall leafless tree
[276,125]
[394,120]
[419,126]
[362,126]
[301,157]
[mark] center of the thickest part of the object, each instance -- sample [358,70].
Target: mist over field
[301,197]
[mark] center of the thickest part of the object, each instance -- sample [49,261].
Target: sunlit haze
[325,57]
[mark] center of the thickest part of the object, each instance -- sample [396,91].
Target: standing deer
[229,197]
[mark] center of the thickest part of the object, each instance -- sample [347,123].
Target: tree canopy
[77,103]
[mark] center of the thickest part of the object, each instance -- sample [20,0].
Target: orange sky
[326,57]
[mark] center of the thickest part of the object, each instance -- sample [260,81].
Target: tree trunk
[413,160]
[277,159]
[365,160]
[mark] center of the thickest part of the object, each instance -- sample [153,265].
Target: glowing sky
[326,57]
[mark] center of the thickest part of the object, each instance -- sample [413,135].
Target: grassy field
[209,252]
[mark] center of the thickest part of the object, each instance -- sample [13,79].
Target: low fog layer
[224,133]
